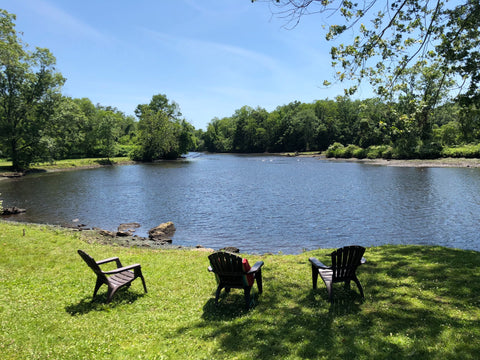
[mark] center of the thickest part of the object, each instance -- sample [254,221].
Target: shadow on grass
[279,322]
[421,303]
[87,304]
[105,162]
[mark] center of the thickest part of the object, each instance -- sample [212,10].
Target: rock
[231,249]
[128,227]
[13,211]
[123,233]
[105,232]
[162,232]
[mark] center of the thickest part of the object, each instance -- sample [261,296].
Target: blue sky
[210,56]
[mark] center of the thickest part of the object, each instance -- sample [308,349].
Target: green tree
[400,43]
[107,131]
[162,132]
[29,88]
[64,135]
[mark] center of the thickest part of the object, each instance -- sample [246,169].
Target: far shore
[68,165]
[443,162]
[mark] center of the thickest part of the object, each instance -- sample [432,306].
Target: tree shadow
[105,162]
[274,326]
[415,301]
[87,304]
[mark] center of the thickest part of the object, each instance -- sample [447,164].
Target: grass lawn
[6,166]
[421,303]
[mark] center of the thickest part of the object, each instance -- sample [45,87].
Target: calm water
[263,203]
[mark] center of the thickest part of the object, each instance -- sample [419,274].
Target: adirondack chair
[117,278]
[232,271]
[345,262]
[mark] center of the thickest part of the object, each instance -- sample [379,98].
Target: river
[262,203]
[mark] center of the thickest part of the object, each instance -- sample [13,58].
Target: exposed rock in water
[127,229]
[12,211]
[104,232]
[162,232]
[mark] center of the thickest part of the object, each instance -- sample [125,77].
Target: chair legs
[258,278]
[314,276]
[97,286]
[143,282]
[359,286]
[246,293]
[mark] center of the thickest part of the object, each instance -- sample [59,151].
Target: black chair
[232,271]
[345,262]
[122,276]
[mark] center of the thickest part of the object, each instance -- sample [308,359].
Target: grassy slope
[6,166]
[421,302]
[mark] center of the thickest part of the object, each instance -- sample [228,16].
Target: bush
[379,151]
[360,153]
[350,150]
[466,151]
[335,150]
[431,150]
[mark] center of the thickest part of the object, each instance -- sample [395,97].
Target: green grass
[421,303]
[6,166]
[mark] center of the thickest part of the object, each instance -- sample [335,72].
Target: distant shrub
[335,150]
[350,150]
[374,152]
[360,153]
[431,150]
[466,151]
[123,150]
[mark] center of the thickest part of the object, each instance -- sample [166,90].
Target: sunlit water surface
[263,203]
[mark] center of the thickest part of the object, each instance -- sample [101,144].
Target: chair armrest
[120,269]
[255,267]
[104,261]
[318,264]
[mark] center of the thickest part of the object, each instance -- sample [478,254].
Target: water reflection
[263,203]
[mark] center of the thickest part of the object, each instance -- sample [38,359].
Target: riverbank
[77,164]
[62,165]
[420,302]
[441,162]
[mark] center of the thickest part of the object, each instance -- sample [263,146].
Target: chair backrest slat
[345,261]
[91,263]
[226,263]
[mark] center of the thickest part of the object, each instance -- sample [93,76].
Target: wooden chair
[232,271]
[122,276]
[345,262]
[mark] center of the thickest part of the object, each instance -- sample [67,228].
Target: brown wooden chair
[345,262]
[119,277]
[232,271]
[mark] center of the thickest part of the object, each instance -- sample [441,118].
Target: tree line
[415,115]
[38,123]
[298,127]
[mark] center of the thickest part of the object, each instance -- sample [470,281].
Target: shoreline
[419,163]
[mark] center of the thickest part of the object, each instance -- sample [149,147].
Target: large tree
[29,87]
[390,42]
[163,134]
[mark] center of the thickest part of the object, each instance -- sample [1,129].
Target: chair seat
[121,278]
[326,274]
